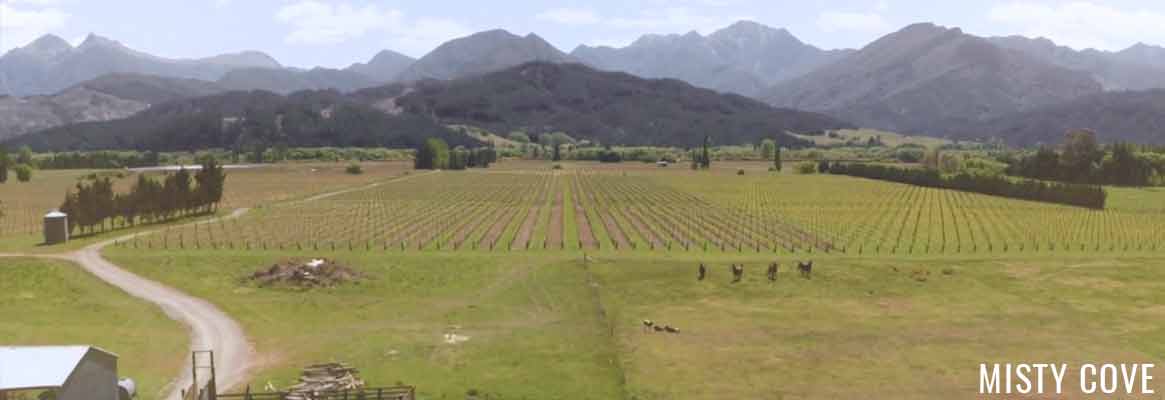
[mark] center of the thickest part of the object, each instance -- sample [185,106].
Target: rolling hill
[243,120]
[1133,116]
[608,107]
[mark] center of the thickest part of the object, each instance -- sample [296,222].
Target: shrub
[740,172]
[23,172]
[909,155]
[354,169]
[806,168]
[556,166]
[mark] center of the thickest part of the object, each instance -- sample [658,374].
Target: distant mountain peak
[479,53]
[244,59]
[930,28]
[49,43]
[93,40]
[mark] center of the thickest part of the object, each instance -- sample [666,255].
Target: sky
[337,33]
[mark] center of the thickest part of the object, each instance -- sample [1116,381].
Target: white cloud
[423,34]
[835,21]
[19,25]
[1082,24]
[319,23]
[323,23]
[569,16]
[651,20]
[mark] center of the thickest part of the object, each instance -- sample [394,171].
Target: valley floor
[549,325]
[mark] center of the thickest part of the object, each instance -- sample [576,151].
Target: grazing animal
[702,273]
[658,328]
[647,325]
[669,329]
[737,272]
[773,269]
[805,268]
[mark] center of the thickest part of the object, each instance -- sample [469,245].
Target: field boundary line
[608,325]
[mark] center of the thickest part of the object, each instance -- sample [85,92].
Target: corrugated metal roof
[55,214]
[35,367]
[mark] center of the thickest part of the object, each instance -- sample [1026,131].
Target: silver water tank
[56,228]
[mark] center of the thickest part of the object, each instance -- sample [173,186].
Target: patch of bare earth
[586,237]
[644,230]
[522,240]
[554,228]
[490,240]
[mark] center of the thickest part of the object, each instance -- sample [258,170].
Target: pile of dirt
[319,272]
[324,378]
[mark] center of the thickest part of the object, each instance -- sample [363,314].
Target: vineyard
[25,204]
[672,210]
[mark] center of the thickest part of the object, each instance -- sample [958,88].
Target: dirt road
[210,328]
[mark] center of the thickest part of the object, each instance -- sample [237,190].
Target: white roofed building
[73,372]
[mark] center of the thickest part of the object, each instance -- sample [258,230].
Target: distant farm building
[56,227]
[72,372]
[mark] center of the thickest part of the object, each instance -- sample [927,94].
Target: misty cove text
[1050,378]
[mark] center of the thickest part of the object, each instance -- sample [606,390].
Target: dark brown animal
[773,269]
[658,328]
[737,272]
[669,329]
[703,272]
[805,268]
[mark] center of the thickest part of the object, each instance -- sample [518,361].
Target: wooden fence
[382,393]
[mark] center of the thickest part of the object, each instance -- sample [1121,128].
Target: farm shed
[74,372]
[56,227]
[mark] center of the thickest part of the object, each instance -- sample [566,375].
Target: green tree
[1080,156]
[25,156]
[3,164]
[705,154]
[433,154]
[767,149]
[519,136]
[777,158]
[932,159]
[23,172]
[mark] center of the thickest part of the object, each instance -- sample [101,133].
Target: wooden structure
[69,372]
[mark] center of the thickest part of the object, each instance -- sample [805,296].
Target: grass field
[677,210]
[548,325]
[55,303]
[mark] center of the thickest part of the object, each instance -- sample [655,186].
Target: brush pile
[313,273]
[322,379]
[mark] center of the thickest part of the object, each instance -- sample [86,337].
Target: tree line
[21,165]
[1081,195]
[96,205]
[434,153]
[99,160]
[1081,159]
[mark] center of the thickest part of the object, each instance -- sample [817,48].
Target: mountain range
[743,58]
[923,79]
[536,97]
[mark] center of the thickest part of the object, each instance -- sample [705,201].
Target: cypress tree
[3,164]
[777,158]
